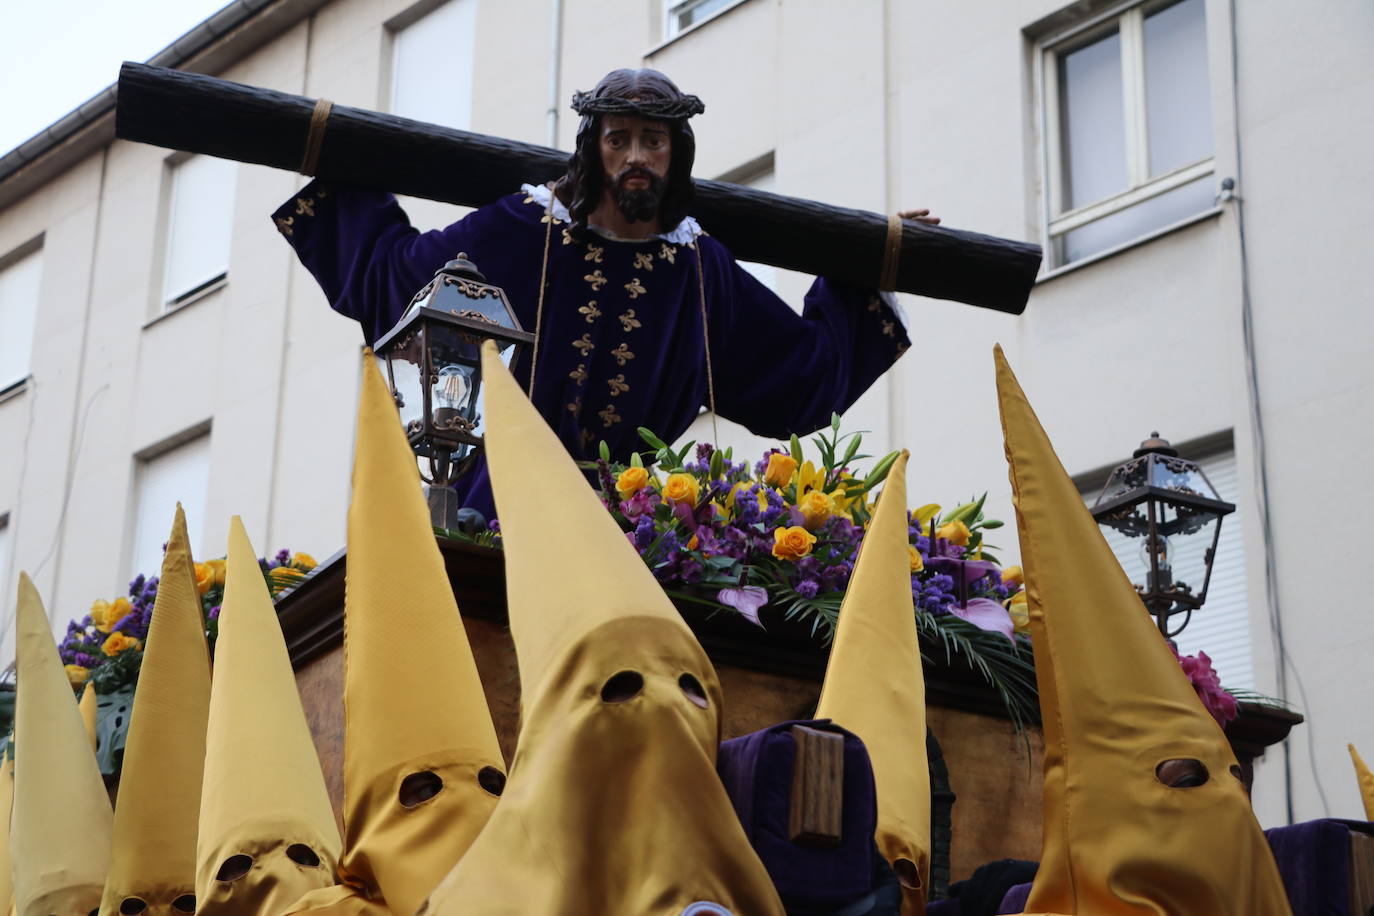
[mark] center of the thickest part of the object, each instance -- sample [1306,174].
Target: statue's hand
[921,216]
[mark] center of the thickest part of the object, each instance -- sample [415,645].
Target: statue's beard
[641,204]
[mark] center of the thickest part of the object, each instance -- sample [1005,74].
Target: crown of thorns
[585,103]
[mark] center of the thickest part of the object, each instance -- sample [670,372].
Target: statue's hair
[648,94]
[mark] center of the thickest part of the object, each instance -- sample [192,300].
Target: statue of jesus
[640,317]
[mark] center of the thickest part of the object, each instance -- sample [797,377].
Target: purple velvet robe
[621,337]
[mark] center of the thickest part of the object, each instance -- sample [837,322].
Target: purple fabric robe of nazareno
[621,341]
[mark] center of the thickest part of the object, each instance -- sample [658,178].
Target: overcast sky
[56,54]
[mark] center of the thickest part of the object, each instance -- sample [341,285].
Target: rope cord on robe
[706,342]
[892,254]
[315,138]
[543,283]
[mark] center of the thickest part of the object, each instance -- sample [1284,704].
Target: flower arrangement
[785,531]
[106,646]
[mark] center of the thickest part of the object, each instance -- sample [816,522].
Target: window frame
[164,302]
[674,8]
[12,385]
[1128,19]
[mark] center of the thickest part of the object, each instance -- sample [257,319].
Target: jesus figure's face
[635,153]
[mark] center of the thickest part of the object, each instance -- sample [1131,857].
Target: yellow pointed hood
[613,800]
[1366,780]
[267,833]
[1116,705]
[59,862]
[6,805]
[89,706]
[153,858]
[414,709]
[875,687]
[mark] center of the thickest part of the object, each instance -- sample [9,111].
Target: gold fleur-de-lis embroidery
[621,353]
[550,218]
[579,375]
[668,253]
[567,237]
[584,344]
[587,437]
[608,416]
[321,193]
[902,348]
[874,303]
[575,408]
[597,279]
[529,198]
[635,288]
[591,311]
[889,328]
[617,385]
[628,320]
[644,261]
[594,253]
[284,225]
[305,206]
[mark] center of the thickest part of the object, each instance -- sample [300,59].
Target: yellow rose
[304,561]
[1012,575]
[205,577]
[781,467]
[283,577]
[792,543]
[100,613]
[682,488]
[917,562]
[954,532]
[1019,609]
[77,675]
[631,481]
[816,508]
[118,642]
[218,568]
[105,614]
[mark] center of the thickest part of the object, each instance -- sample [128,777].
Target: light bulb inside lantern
[1157,554]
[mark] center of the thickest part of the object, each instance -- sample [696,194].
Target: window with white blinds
[180,474]
[18,312]
[1221,627]
[200,222]
[431,66]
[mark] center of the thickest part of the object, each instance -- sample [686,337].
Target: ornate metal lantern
[434,365]
[1163,517]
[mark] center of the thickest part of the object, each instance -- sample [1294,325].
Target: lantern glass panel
[403,365]
[1186,535]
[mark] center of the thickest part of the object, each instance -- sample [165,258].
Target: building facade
[1197,171]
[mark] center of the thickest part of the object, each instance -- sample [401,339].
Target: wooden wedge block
[817,810]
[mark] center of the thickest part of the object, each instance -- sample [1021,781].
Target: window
[179,474]
[1221,627]
[199,220]
[1128,127]
[431,65]
[681,15]
[18,311]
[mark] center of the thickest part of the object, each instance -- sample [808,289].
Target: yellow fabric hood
[59,861]
[267,832]
[153,858]
[1116,705]
[613,804]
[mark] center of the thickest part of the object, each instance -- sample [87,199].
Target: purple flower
[985,615]
[807,588]
[1218,702]
[214,613]
[86,661]
[640,505]
[747,505]
[775,507]
[282,558]
[644,533]
[704,451]
[836,577]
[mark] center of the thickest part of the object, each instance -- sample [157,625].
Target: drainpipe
[555,67]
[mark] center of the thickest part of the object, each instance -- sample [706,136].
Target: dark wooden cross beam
[202,114]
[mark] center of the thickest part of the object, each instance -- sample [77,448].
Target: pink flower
[1215,699]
